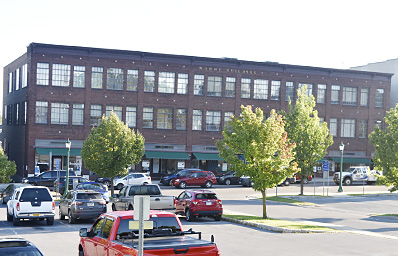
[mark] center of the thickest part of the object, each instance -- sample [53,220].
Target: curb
[275,229]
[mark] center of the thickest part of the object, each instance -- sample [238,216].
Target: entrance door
[155,166]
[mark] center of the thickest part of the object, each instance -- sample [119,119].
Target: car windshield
[12,251]
[93,186]
[206,196]
[88,196]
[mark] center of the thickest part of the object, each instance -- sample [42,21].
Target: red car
[201,178]
[199,203]
[298,180]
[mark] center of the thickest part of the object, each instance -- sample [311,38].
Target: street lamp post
[341,167]
[67,145]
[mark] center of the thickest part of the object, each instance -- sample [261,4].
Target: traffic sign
[325,165]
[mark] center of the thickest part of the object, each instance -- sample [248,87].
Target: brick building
[179,103]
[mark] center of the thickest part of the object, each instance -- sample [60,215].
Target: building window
[132,80]
[379,101]
[198,84]
[348,128]
[43,74]
[260,89]
[333,127]
[182,84]
[116,109]
[61,75]
[147,117]
[230,87]
[17,80]
[59,113]
[364,97]
[245,88]
[213,121]
[321,95]
[335,95]
[17,113]
[197,120]
[149,81]
[165,118]
[275,90]
[321,120]
[95,114]
[10,76]
[227,118]
[79,76]
[166,82]
[97,77]
[114,79]
[214,86]
[289,91]
[377,123]
[363,128]
[41,112]
[350,95]
[77,114]
[24,73]
[9,114]
[131,116]
[24,107]
[181,122]
[309,88]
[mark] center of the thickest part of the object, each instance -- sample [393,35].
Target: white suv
[132,179]
[31,203]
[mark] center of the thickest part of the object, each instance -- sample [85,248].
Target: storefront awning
[59,151]
[207,156]
[350,160]
[167,155]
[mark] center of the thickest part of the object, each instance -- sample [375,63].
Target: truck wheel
[113,207]
[119,186]
[208,184]
[251,183]
[189,215]
[61,216]
[81,252]
[171,182]
[347,181]
[71,220]
[15,221]
[50,221]
[183,184]
[130,208]
[228,182]
[9,216]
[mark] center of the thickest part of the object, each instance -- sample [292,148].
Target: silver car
[81,204]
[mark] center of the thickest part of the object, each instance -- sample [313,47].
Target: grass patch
[386,215]
[278,223]
[287,200]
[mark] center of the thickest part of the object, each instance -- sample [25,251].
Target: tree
[7,168]
[264,146]
[311,138]
[111,147]
[386,150]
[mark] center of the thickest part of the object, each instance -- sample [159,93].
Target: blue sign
[325,166]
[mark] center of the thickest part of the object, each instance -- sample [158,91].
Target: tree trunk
[302,186]
[263,192]
[112,188]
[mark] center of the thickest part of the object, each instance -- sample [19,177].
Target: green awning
[207,156]
[351,160]
[167,155]
[59,151]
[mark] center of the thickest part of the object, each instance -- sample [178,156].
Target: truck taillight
[18,206]
[53,206]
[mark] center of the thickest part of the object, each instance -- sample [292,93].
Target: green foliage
[267,154]
[112,147]
[7,168]
[386,150]
[311,138]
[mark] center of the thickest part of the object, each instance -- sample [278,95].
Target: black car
[228,178]
[60,183]
[168,180]
[245,181]
[46,178]
[81,204]
[9,190]
[18,246]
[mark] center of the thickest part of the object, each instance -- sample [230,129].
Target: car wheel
[171,182]
[107,183]
[71,220]
[15,221]
[251,183]
[50,221]
[208,184]
[61,216]
[119,186]
[189,215]
[286,183]
[81,252]
[228,182]
[130,208]
[217,218]
[347,181]
[2,200]
[113,207]
[9,216]
[183,184]
[305,181]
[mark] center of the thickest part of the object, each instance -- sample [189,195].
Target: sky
[320,33]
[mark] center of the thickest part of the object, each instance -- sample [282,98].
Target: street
[369,235]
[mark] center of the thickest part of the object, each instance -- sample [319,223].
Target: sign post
[141,213]
[325,165]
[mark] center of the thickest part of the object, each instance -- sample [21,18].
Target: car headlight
[177,180]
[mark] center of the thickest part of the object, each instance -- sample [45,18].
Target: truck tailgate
[162,202]
[28,207]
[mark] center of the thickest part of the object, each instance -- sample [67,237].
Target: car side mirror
[83,232]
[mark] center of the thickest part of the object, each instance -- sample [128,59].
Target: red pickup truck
[111,235]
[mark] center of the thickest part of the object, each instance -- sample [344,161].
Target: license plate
[90,204]
[36,214]
[209,203]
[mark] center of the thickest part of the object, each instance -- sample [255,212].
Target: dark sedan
[228,178]
[18,246]
[9,190]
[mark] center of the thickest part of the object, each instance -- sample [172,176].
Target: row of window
[18,79]
[348,127]
[169,82]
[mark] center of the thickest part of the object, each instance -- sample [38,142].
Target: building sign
[145,164]
[180,165]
